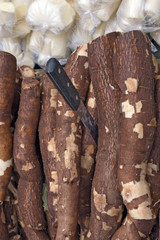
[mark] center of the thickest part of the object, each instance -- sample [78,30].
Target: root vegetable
[68,146]
[88,154]
[134,74]
[153,172]
[7,81]
[25,157]
[106,201]
[16,99]
[47,127]
[3,225]
[26,160]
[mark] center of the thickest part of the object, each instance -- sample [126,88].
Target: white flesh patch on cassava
[131,85]
[76,85]
[99,201]
[138,107]
[52,148]
[51,145]
[134,189]
[86,65]
[147,52]
[83,51]
[112,87]
[91,88]
[141,234]
[22,145]
[71,152]
[4,165]
[121,166]
[106,129]
[138,128]
[91,103]
[155,63]
[105,227]
[53,97]
[98,217]
[89,234]
[114,211]
[152,168]
[127,221]
[69,113]
[2,123]
[128,109]
[142,212]
[86,160]
[152,123]
[86,221]
[53,187]
[27,167]
[59,103]
[59,113]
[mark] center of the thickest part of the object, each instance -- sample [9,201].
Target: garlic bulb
[99,30]
[53,46]
[50,15]
[27,59]
[156,36]
[152,10]
[7,14]
[112,25]
[36,43]
[130,15]
[13,46]
[20,29]
[21,7]
[104,10]
[78,37]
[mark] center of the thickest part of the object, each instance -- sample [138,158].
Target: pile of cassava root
[62,186]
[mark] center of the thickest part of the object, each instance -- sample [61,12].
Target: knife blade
[64,85]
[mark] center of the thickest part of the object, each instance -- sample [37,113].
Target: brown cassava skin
[26,160]
[11,214]
[29,233]
[153,171]
[68,147]
[88,154]
[7,81]
[3,224]
[106,201]
[16,99]
[47,127]
[25,157]
[134,74]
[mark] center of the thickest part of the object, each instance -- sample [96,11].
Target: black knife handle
[64,85]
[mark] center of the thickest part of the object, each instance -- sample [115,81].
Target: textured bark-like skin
[16,99]
[25,156]
[68,147]
[106,201]
[3,226]
[153,171]
[7,81]
[88,154]
[47,127]
[26,160]
[134,73]
[11,214]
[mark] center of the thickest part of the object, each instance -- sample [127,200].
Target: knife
[64,85]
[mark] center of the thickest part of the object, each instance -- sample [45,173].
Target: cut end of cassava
[27,72]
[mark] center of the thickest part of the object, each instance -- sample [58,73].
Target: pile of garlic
[36,30]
